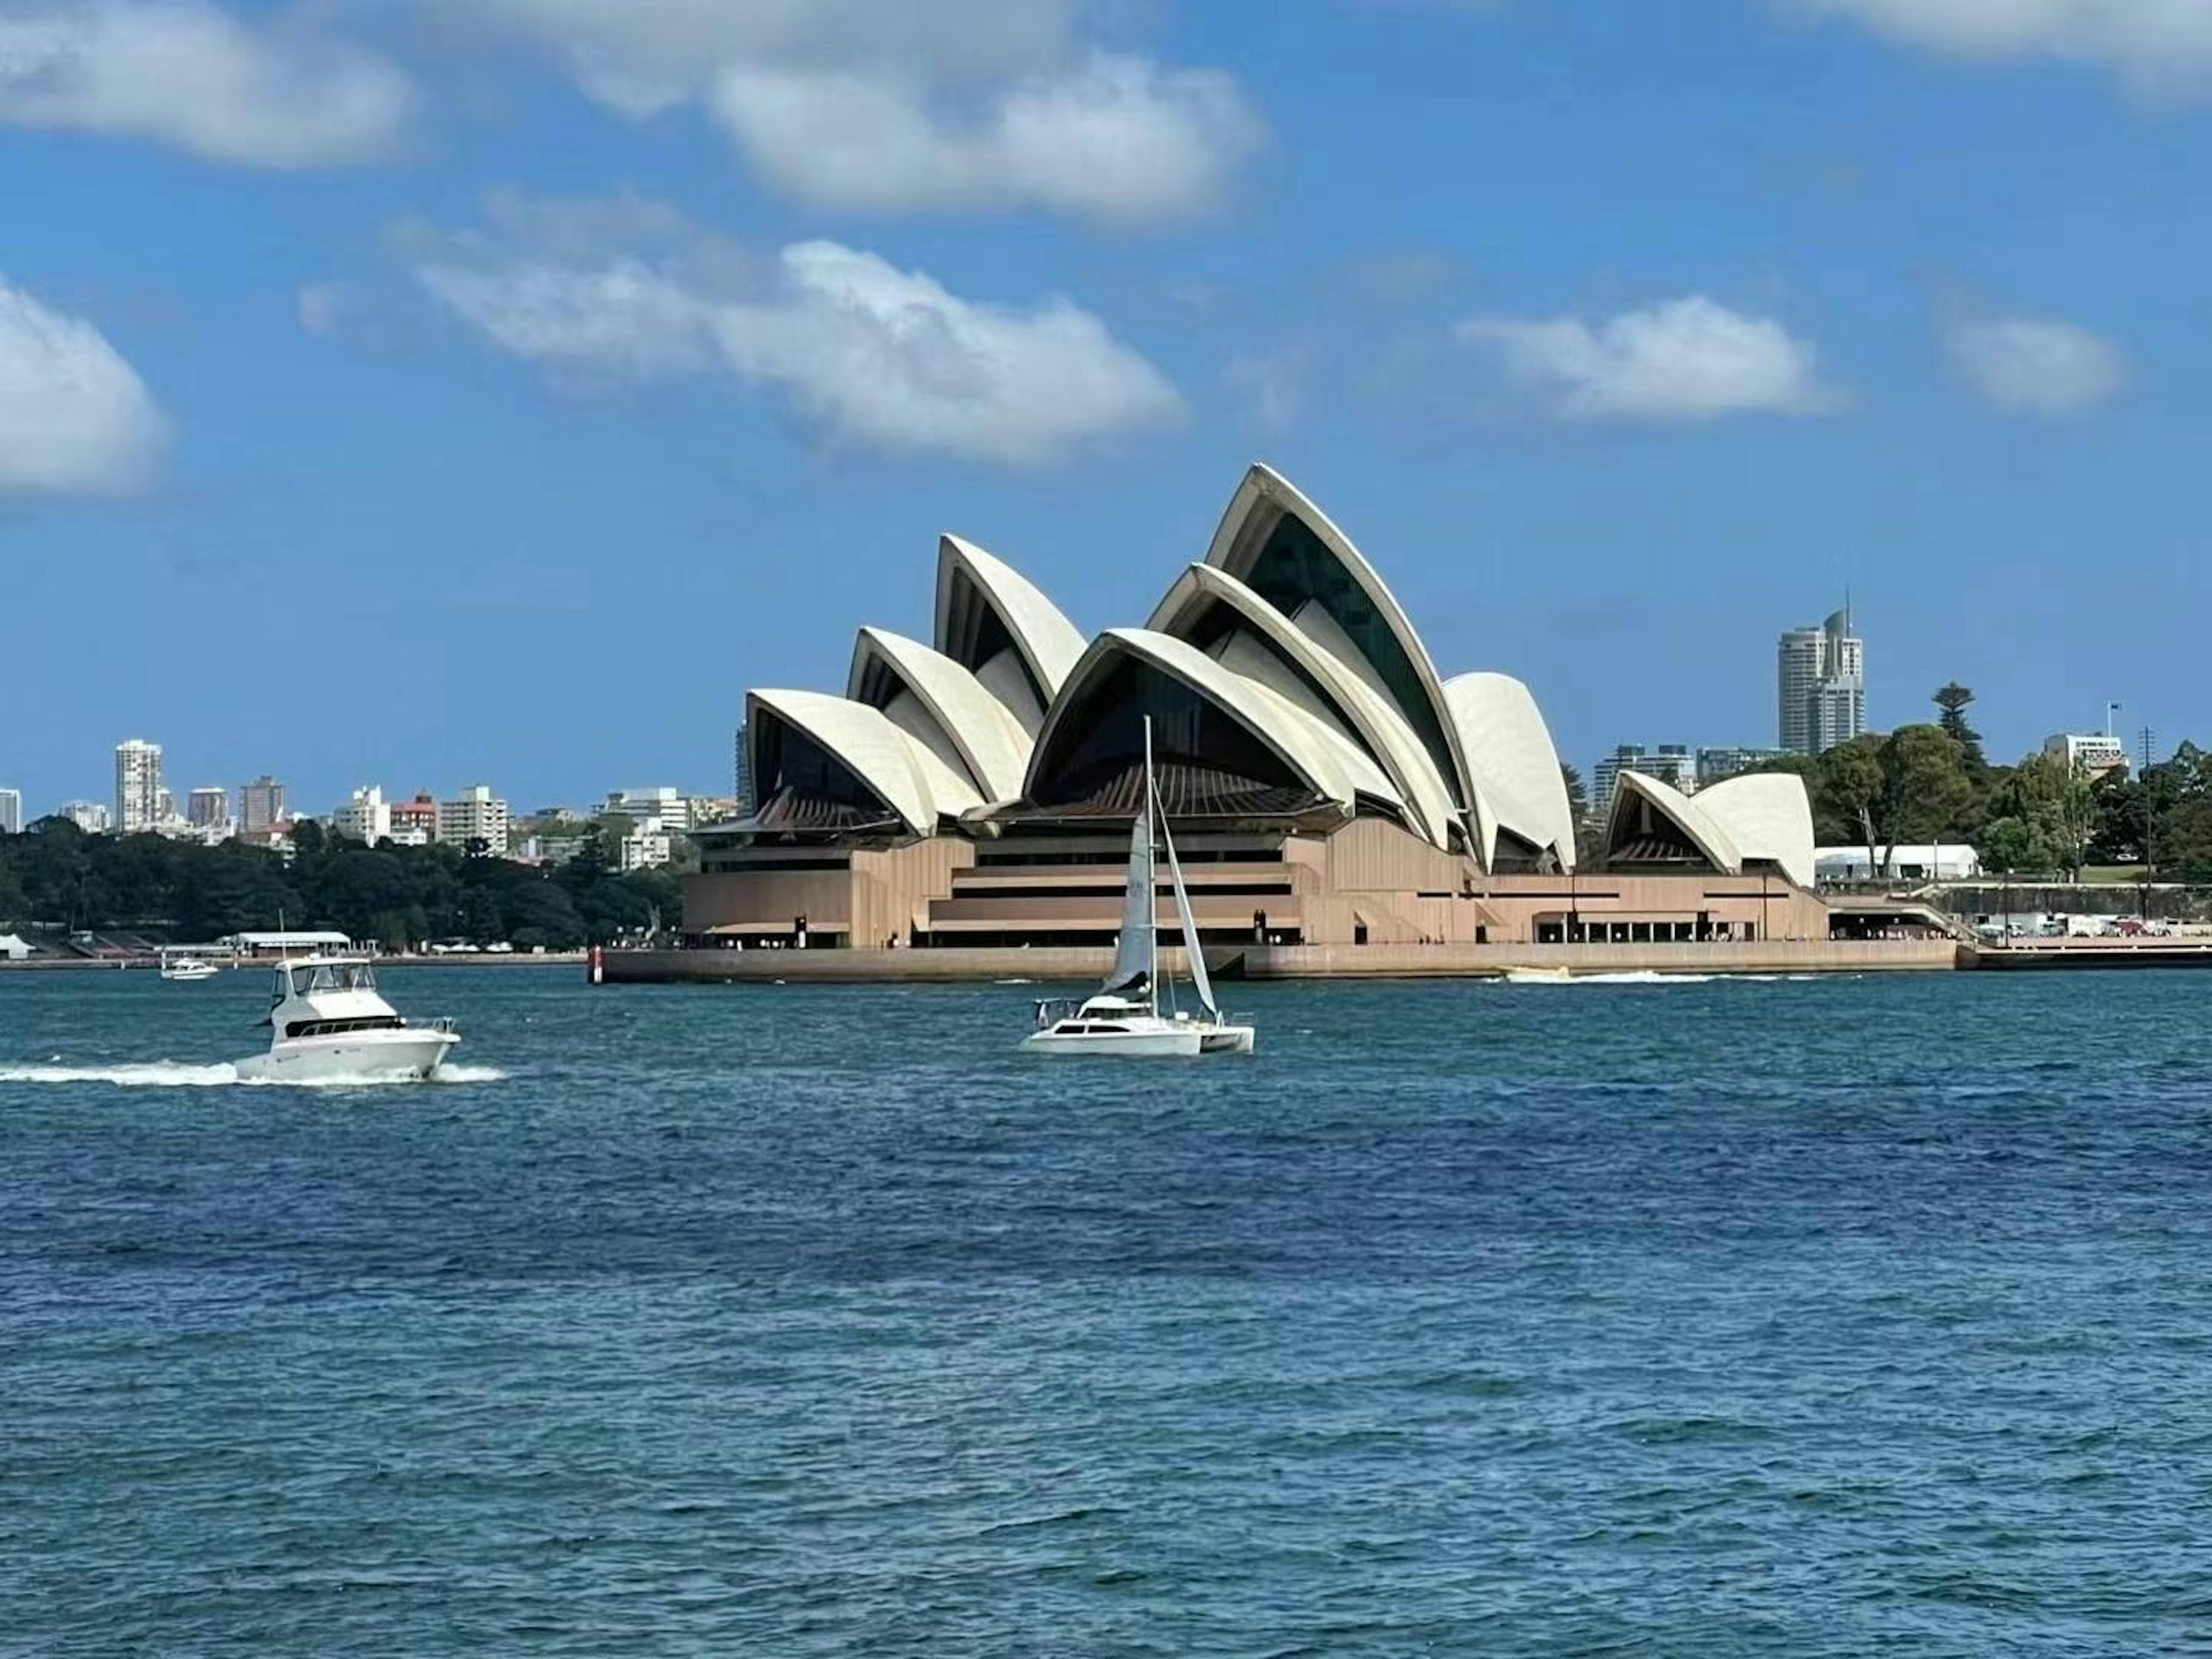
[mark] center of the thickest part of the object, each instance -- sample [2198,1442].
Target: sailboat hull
[1169,1042]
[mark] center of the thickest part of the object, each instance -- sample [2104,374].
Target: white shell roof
[1761,815]
[1375,721]
[911,780]
[1706,834]
[1767,815]
[1263,488]
[1330,764]
[1048,642]
[1512,762]
[990,742]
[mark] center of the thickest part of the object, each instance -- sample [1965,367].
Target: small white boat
[1536,976]
[327,1021]
[186,969]
[1124,1018]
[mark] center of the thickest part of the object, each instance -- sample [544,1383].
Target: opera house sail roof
[1284,683]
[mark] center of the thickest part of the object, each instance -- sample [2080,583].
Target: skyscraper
[206,808]
[743,774]
[138,786]
[1820,676]
[11,812]
[260,803]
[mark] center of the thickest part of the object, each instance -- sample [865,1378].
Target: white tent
[13,947]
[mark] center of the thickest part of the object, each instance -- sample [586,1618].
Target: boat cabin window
[315,1028]
[332,977]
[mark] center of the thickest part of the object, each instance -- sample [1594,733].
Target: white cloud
[74,418]
[273,95]
[646,56]
[1680,360]
[2162,44]
[1116,139]
[886,105]
[2037,366]
[867,354]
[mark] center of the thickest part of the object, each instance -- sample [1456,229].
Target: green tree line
[1931,782]
[54,874]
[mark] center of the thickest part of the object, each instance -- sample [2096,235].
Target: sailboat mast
[1151,893]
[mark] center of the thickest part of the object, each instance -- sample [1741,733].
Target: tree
[1578,796]
[1851,786]
[1589,837]
[2056,804]
[1925,784]
[2008,846]
[1951,699]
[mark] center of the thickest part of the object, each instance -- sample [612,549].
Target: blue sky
[492,389]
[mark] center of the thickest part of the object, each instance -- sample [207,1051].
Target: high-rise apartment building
[1820,676]
[207,808]
[476,814]
[261,804]
[366,816]
[89,815]
[415,822]
[11,812]
[742,774]
[138,786]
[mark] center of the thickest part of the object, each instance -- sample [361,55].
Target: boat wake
[175,1075]
[1634,976]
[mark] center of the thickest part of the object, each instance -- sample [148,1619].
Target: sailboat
[1123,1017]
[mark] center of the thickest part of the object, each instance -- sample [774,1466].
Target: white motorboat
[1124,1017]
[186,969]
[1531,975]
[327,1022]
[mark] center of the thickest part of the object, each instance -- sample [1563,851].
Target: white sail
[1134,956]
[1195,957]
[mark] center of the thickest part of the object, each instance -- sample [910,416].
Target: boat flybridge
[327,1021]
[1124,1017]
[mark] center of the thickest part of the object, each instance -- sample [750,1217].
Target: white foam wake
[175,1075]
[1636,976]
[151,1074]
[452,1073]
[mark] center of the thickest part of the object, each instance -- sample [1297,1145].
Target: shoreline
[149,964]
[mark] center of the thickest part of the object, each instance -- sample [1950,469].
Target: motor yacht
[1123,1018]
[186,969]
[327,1021]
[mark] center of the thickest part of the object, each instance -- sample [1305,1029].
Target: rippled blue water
[1816,1317]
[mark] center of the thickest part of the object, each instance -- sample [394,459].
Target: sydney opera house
[1327,785]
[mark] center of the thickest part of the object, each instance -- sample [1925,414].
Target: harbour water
[1702,1318]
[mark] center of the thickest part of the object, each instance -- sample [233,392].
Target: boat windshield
[332,977]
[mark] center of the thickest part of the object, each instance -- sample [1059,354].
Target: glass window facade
[1204,758]
[803,786]
[1295,566]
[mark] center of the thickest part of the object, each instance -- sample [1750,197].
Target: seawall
[1078,963]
